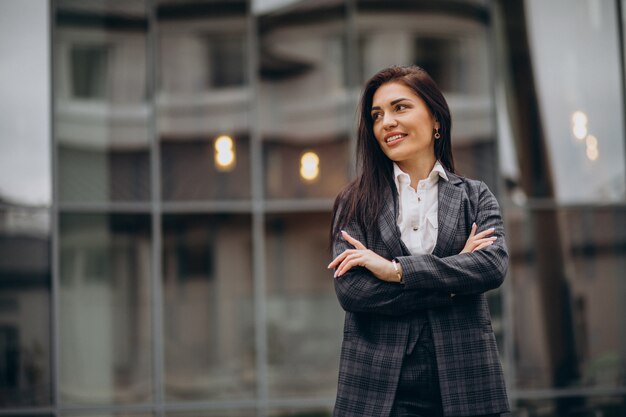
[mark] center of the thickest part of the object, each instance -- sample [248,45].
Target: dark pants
[418,393]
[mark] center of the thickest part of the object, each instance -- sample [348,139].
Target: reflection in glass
[569,327]
[605,406]
[215,413]
[86,414]
[569,80]
[202,95]
[304,318]
[104,308]
[292,172]
[101,107]
[303,100]
[302,412]
[209,306]
[192,169]
[25,355]
[25,157]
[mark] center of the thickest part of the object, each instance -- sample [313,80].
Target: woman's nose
[389,121]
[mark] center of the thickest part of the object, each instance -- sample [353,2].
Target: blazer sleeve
[359,291]
[467,273]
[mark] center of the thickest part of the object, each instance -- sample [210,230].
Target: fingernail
[492,228]
[494,238]
[343,231]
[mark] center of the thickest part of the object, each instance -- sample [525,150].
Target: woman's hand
[478,241]
[361,256]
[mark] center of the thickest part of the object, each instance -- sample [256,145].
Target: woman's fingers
[484,233]
[352,240]
[340,258]
[477,242]
[473,231]
[482,245]
[342,262]
[351,260]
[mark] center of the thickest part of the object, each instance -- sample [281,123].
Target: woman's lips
[395,139]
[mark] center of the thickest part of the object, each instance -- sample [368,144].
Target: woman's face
[402,123]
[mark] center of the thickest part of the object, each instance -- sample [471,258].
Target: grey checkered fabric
[447,286]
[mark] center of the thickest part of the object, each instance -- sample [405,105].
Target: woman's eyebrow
[394,102]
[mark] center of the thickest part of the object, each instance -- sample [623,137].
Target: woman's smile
[394,138]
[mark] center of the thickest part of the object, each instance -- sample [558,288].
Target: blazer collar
[449,203]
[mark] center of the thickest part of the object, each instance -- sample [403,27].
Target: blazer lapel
[388,226]
[450,198]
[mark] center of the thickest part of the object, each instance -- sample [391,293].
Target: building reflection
[25,373]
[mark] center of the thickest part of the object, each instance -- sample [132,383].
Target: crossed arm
[367,282]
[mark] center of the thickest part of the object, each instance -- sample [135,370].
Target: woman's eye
[401,107]
[376,116]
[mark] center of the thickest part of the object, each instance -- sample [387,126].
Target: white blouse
[417,217]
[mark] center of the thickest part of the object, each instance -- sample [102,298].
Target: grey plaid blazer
[449,286]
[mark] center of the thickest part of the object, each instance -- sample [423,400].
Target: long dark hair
[364,198]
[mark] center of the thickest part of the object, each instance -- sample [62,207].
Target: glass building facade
[167,173]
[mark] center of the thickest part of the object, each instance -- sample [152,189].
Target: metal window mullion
[258,218]
[158,339]
[54,222]
[353,81]
[621,42]
[499,69]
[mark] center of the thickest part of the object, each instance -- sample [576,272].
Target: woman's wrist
[397,271]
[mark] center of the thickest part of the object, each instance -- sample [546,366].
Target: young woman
[416,247]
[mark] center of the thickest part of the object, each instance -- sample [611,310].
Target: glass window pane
[214,413]
[580,102]
[209,307]
[305,110]
[304,318]
[101,101]
[25,374]
[567,272]
[203,100]
[104,308]
[103,414]
[605,406]
[25,102]
[302,412]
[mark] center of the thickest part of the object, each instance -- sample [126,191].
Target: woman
[411,270]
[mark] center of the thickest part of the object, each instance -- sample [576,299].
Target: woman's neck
[418,168]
